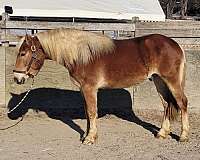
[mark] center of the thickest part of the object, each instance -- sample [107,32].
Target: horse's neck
[55,57]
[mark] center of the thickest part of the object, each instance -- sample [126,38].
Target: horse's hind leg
[90,95]
[164,96]
[165,127]
[176,89]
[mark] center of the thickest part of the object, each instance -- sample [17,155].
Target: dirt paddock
[123,135]
[54,122]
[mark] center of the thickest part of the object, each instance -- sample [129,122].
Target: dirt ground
[55,132]
[126,137]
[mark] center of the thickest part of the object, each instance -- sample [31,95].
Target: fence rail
[84,26]
[6,34]
[170,28]
[186,33]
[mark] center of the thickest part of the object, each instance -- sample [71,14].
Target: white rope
[9,111]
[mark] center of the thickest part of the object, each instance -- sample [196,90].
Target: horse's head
[29,60]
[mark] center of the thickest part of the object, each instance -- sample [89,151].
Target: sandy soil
[55,132]
[125,138]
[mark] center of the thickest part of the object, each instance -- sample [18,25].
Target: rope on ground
[10,111]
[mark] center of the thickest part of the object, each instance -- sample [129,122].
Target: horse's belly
[124,78]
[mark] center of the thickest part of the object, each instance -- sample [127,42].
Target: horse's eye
[22,53]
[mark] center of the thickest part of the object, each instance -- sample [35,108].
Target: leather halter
[34,57]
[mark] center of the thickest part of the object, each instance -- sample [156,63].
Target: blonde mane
[67,46]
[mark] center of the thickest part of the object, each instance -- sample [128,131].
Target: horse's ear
[28,39]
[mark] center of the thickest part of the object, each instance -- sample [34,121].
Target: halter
[34,57]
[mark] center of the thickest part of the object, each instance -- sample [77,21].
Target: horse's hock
[53,82]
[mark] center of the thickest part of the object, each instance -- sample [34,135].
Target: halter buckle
[33,48]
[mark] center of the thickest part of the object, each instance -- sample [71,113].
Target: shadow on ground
[67,105]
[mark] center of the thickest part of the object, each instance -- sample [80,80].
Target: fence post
[5,17]
[134,21]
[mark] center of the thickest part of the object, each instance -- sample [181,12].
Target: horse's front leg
[90,95]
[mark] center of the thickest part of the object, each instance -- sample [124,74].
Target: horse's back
[134,60]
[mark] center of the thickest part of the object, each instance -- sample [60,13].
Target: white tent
[149,10]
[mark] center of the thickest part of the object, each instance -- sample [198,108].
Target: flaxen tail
[170,106]
[173,108]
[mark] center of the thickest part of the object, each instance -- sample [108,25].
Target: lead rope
[22,100]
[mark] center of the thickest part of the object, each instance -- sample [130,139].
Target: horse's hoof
[183,139]
[88,141]
[158,136]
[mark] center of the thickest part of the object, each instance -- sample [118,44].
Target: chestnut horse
[95,61]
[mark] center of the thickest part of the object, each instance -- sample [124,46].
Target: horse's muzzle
[21,81]
[20,78]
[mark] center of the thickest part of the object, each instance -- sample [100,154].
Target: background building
[148,10]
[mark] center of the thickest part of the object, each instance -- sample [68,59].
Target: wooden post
[5,18]
[3,62]
[134,21]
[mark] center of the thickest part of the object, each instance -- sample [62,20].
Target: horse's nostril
[15,80]
[23,80]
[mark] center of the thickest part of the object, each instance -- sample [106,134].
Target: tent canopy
[149,10]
